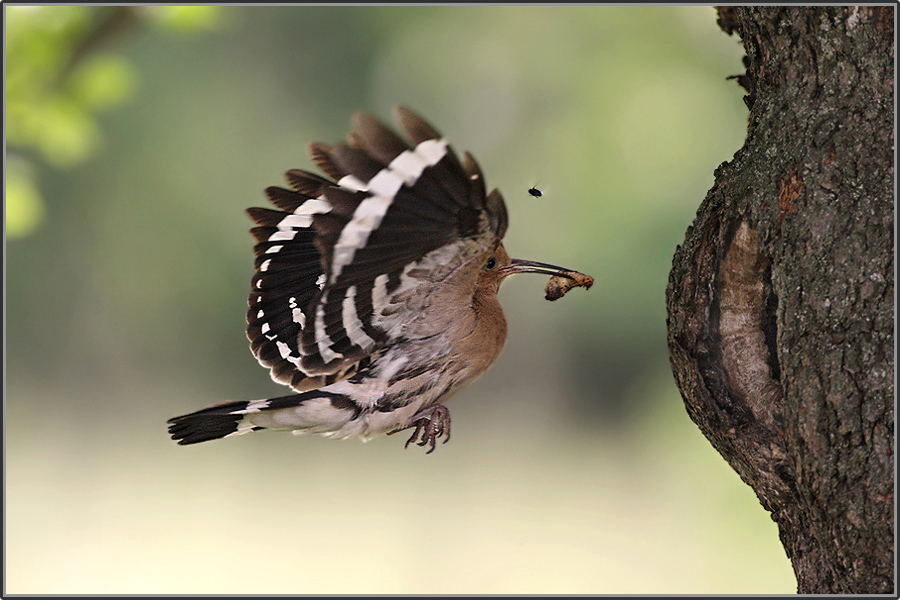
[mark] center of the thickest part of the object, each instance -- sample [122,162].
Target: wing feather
[339,252]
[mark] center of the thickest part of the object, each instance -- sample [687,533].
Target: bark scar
[746,320]
[789,190]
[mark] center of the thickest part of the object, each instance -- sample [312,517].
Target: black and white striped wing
[289,274]
[349,244]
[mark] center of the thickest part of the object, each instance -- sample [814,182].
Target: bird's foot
[430,424]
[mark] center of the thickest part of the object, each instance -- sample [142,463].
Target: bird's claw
[430,425]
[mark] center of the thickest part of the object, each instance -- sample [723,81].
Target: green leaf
[25,208]
[187,18]
[104,81]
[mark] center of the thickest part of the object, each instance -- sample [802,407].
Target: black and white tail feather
[340,266]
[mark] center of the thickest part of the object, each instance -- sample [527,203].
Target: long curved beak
[562,281]
[530,266]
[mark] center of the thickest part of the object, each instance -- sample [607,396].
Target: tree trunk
[780,301]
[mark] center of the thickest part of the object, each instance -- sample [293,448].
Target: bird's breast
[477,342]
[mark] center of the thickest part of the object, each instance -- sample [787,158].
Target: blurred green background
[137,137]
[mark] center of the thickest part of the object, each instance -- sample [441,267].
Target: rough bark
[781,298]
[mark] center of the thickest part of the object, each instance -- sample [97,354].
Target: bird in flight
[375,292]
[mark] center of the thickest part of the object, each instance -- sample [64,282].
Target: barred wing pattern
[288,276]
[337,253]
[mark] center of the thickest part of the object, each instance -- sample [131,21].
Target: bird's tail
[315,411]
[213,423]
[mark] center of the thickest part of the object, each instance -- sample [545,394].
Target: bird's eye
[491,263]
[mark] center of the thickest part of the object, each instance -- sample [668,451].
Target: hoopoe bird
[375,292]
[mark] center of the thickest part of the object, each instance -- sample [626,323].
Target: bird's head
[496,266]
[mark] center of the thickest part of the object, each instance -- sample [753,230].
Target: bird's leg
[430,424]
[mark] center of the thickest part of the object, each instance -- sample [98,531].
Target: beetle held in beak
[562,279]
